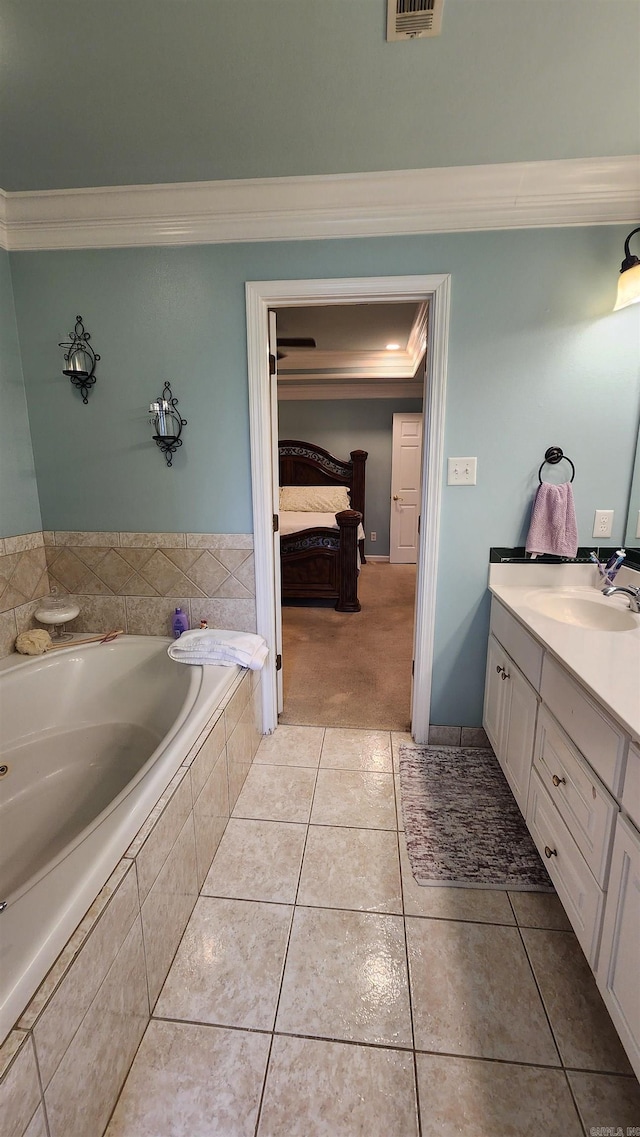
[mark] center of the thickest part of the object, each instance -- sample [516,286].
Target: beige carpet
[353,669]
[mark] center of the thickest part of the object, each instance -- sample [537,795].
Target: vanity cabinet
[575,775]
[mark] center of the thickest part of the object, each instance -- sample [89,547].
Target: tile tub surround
[314,993]
[23,581]
[136,580]
[69,1054]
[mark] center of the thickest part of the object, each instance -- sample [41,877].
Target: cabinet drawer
[577,888]
[631,791]
[579,796]
[522,647]
[602,742]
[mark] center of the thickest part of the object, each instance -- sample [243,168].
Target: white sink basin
[584,609]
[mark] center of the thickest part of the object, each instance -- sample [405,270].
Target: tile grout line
[406,944]
[562,1067]
[201,1023]
[286,953]
[144,952]
[134,870]
[573,1099]
[42,1102]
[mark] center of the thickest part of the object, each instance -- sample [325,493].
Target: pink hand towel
[553,527]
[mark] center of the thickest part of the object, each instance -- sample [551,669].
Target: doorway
[345,374]
[263,295]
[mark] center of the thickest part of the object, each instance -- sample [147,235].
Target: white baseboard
[371,557]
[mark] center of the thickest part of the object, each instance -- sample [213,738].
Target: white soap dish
[56,611]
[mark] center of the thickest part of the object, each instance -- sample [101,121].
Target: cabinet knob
[505,674]
[550,852]
[558,781]
[499,669]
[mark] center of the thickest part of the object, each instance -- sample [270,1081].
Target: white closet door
[406,466]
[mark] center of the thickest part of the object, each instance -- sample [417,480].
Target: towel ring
[554,455]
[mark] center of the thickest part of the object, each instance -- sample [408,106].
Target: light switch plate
[602,523]
[462,471]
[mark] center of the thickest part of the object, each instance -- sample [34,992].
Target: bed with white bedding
[321,513]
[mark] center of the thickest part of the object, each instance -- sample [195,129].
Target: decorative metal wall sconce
[81,360]
[168,423]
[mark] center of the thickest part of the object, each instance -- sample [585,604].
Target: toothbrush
[613,565]
[598,563]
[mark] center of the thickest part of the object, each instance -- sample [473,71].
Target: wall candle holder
[81,360]
[168,423]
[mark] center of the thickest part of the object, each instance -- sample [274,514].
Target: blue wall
[536,358]
[343,425]
[140,91]
[19,506]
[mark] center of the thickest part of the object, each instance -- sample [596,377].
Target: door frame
[261,295]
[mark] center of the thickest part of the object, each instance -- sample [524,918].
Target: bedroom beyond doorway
[353,670]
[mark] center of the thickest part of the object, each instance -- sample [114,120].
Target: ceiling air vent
[413,19]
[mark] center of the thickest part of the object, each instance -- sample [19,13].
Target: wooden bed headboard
[304,464]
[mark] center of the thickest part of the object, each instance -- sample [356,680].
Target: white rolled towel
[219,645]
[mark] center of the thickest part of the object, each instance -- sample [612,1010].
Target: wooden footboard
[322,563]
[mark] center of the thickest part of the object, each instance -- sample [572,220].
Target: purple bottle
[180,623]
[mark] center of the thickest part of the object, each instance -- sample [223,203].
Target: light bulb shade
[628,287]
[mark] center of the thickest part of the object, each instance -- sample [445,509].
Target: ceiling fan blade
[301,341]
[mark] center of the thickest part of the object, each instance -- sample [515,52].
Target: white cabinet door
[510,708]
[619,966]
[517,758]
[495,696]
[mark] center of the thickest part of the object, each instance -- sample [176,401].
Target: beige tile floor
[319,992]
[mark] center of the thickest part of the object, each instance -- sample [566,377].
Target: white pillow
[314,499]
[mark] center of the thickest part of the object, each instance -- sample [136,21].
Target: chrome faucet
[632,593]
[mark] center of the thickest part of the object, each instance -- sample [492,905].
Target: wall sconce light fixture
[629,280]
[168,423]
[80,359]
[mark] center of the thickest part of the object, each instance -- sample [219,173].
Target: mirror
[632,541]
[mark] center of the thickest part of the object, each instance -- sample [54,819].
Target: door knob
[396,497]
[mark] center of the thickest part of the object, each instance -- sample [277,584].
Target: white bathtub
[91,737]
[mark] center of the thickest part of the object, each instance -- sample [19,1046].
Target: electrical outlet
[602,523]
[374,536]
[462,471]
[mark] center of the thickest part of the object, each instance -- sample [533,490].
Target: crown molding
[515,195]
[321,388]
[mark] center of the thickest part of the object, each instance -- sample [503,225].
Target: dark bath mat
[462,824]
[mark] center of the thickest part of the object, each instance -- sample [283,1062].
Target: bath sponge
[34,642]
